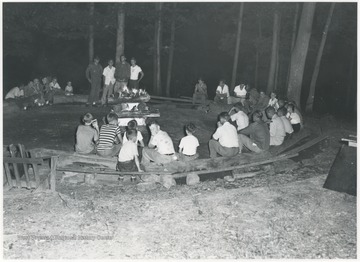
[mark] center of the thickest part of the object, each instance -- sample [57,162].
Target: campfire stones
[192,179]
[167,181]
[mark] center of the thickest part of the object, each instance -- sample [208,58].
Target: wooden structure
[342,176]
[21,167]
[132,110]
[103,169]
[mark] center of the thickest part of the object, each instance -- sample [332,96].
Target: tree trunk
[351,82]
[294,30]
[237,47]
[157,50]
[120,32]
[273,62]
[91,33]
[171,51]
[298,57]
[257,55]
[295,25]
[277,70]
[310,99]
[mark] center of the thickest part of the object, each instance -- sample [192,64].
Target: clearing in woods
[281,213]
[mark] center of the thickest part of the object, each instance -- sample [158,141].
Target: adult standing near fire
[122,74]
[94,73]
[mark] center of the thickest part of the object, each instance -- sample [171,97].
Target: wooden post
[54,160]
[36,170]
[23,155]
[8,174]
[12,149]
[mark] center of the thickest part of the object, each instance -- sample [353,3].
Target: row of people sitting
[249,97]
[37,93]
[109,142]
[233,133]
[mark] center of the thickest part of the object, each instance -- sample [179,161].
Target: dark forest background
[41,39]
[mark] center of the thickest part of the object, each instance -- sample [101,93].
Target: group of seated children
[266,129]
[37,93]
[109,142]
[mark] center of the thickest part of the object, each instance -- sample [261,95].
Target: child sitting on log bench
[87,135]
[128,159]
[225,139]
[132,125]
[109,134]
[189,144]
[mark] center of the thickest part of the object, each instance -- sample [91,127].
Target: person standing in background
[135,70]
[109,81]
[122,74]
[93,74]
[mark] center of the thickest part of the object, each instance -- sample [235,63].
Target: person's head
[112,118]
[31,83]
[111,62]
[200,80]
[273,95]
[290,108]
[262,93]
[282,111]
[281,102]
[270,112]
[239,107]
[131,135]
[69,83]
[222,82]
[154,126]
[133,61]
[190,129]
[44,80]
[36,81]
[54,80]
[96,60]
[257,116]
[224,117]
[87,119]
[132,124]
[122,58]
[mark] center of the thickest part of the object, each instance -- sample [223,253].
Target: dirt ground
[281,213]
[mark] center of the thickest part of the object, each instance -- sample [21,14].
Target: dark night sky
[202,48]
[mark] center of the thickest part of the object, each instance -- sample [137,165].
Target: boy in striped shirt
[110,139]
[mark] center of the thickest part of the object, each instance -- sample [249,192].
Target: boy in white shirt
[225,139]
[238,115]
[15,92]
[132,125]
[273,101]
[282,114]
[293,117]
[109,81]
[128,159]
[69,89]
[240,94]
[54,85]
[222,93]
[189,144]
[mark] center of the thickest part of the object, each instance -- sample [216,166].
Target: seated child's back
[87,135]
[189,144]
